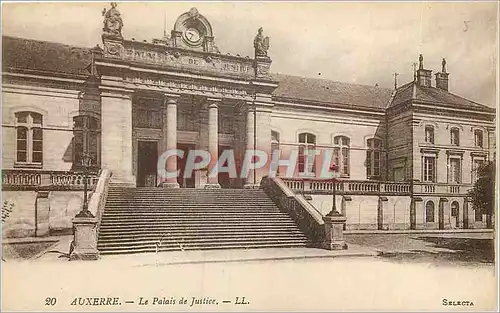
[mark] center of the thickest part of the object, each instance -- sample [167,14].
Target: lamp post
[334,221]
[334,211]
[86,159]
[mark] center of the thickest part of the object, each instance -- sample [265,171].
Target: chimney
[423,75]
[442,78]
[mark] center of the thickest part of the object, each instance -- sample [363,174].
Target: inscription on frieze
[207,63]
[157,82]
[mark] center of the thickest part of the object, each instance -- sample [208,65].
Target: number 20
[50,301]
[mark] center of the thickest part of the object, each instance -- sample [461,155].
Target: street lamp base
[85,213]
[334,213]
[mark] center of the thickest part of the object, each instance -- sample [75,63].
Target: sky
[352,42]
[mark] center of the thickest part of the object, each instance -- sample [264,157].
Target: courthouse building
[411,150]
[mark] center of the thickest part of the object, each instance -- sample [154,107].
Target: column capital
[171,98]
[213,102]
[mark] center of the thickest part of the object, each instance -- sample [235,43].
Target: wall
[22,222]
[442,125]
[58,108]
[289,123]
[399,146]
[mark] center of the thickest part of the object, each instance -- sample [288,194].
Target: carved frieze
[113,49]
[202,88]
[179,60]
[262,69]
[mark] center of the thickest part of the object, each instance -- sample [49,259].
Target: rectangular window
[429,169]
[345,161]
[336,156]
[454,171]
[478,138]
[476,163]
[429,134]
[368,163]
[301,160]
[455,137]
[376,163]
[478,216]
[37,145]
[22,144]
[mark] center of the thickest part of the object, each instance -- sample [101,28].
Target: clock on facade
[192,36]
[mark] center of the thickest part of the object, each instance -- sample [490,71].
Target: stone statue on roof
[112,21]
[261,44]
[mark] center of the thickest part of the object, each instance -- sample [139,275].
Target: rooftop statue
[261,44]
[112,21]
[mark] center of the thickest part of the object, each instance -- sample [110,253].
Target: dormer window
[429,134]
[455,136]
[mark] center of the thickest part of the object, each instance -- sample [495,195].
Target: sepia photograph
[249,156]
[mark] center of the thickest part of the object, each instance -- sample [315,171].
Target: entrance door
[223,178]
[185,182]
[147,159]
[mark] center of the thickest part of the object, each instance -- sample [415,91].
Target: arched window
[429,134]
[29,138]
[478,138]
[455,136]
[341,153]
[275,146]
[86,140]
[429,212]
[373,158]
[307,147]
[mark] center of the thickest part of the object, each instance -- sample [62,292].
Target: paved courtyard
[409,274]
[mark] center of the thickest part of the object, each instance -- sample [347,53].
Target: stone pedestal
[42,213]
[334,231]
[85,239]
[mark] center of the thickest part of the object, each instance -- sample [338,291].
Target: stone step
[200,238]
[250,245]
[156,203]
[107,229]
[183,233]
[201,242]
[189,213]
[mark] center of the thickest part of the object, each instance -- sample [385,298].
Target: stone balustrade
[20,179]
[353,187]
[441,188]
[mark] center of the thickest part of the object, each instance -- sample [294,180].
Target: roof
[332,92]
[433,95]
[21,53]
[46,56]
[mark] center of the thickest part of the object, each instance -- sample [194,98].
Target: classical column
[250,179]
[213,140]
[170,140]
[116,136]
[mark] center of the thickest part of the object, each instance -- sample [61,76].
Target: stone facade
[181,92]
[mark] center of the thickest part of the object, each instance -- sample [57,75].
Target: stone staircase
[146,219]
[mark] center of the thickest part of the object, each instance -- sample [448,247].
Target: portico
[176,93]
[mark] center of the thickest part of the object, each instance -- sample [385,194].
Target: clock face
[192,35]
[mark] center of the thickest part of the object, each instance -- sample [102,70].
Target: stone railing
[346,187]
[361,187]
[18,179]
[99,196]
[440,188]
[306,216]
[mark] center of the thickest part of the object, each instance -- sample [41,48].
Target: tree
[483,193]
